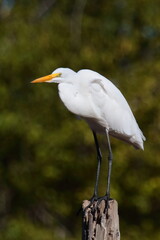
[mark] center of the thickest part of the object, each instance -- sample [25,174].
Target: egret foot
[92,201]
[106,198]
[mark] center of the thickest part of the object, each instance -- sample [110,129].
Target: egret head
[57,76]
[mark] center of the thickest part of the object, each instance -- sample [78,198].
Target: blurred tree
[48,160]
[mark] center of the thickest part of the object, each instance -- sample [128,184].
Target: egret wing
[111,106]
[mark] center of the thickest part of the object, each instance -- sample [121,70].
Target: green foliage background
[48,160]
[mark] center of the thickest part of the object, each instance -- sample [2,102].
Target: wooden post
[100,224]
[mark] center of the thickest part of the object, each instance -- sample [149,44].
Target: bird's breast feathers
[75,101]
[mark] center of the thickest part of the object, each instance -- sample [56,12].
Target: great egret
[97,100]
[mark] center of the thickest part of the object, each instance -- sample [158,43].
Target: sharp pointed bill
[46,78]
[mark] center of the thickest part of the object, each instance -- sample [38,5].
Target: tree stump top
[100,222]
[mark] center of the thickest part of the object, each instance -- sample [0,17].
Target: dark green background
[48,159]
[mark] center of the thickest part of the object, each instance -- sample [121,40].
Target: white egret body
[97,100]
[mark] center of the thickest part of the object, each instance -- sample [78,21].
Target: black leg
[110,157]
[106,197]
[99,158]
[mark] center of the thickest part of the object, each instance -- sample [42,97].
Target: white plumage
[97,100]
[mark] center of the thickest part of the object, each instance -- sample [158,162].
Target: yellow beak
[46,78]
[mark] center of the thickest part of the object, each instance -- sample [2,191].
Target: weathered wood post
[98,223]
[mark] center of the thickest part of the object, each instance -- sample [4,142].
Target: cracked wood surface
[98,223]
